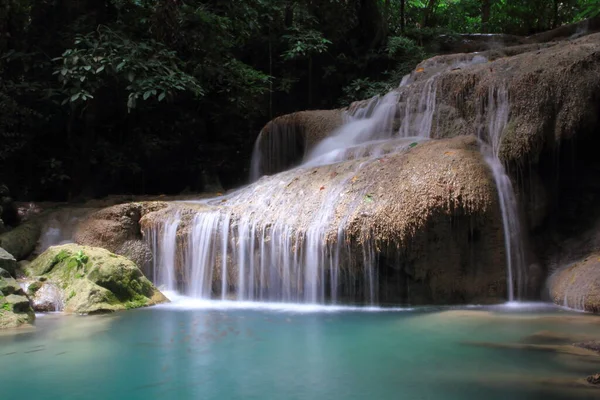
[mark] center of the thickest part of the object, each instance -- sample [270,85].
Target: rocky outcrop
[7,262]
[92,280]
[578,286]
[117,229]
[22,240]
[285,140]
[430,211]
[15,310]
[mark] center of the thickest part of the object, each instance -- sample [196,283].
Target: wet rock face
[428,216]
[117,229]
[7,261]
[578,285]
[89,280]
[15,310]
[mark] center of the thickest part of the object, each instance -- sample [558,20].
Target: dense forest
[164,96]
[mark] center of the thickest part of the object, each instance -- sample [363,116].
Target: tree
[486,7]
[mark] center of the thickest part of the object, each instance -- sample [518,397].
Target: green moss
[6,307]
[136,302]
[71,295]
[33,288]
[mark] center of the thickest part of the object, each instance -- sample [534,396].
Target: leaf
[131,76]
[369,198]
[64,71]
[100,69]
[413,144]
[75,97]
[419,70]
[161,96]
[322,188]
[147,94]
[87,67]
[354,179]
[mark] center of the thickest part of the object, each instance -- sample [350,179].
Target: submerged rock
[14,304]
[93,280]
[594,379]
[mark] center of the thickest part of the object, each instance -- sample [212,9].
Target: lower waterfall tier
[419,225]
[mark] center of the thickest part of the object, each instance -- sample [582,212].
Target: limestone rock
[14,305]
[21,241]
[117,229]
[7,261]
[430,211]
[93,280]
[578,285]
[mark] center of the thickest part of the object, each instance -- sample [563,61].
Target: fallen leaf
[420,69]
[369,198]
[354,179]
[322,188]
[413,144]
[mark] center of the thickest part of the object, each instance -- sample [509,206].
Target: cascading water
[493,122]
[163,240]
[304,256]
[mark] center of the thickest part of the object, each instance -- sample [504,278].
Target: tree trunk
[485,15]
[310,73]
[429,12]
[402,16]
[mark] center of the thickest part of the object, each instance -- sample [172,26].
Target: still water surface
[212,350]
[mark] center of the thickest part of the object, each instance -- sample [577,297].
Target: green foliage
[304,43]
[7,307]
[148,69]
[147,96]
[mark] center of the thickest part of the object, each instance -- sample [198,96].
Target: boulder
[285,140]
[93,280]
[429,211]
[577,285]
[15,310]
[117,229]
[22,241]
[7,262]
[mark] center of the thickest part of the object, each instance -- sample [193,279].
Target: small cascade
[492,125]
[163,241]
[277,148]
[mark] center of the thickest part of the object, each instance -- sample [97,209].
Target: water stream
[261,257]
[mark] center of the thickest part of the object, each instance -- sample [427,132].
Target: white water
[258,258]
[493,122]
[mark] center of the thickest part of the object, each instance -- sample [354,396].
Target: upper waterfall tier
[552,86]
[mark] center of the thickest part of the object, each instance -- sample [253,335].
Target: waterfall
[277,250]
[163,241]
[491,129]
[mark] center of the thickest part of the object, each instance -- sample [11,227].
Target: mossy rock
[94,280]
[21,241]
[7,261]
[15,309]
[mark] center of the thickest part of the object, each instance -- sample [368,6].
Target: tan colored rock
[431,211]
[578,285]
[117,229]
